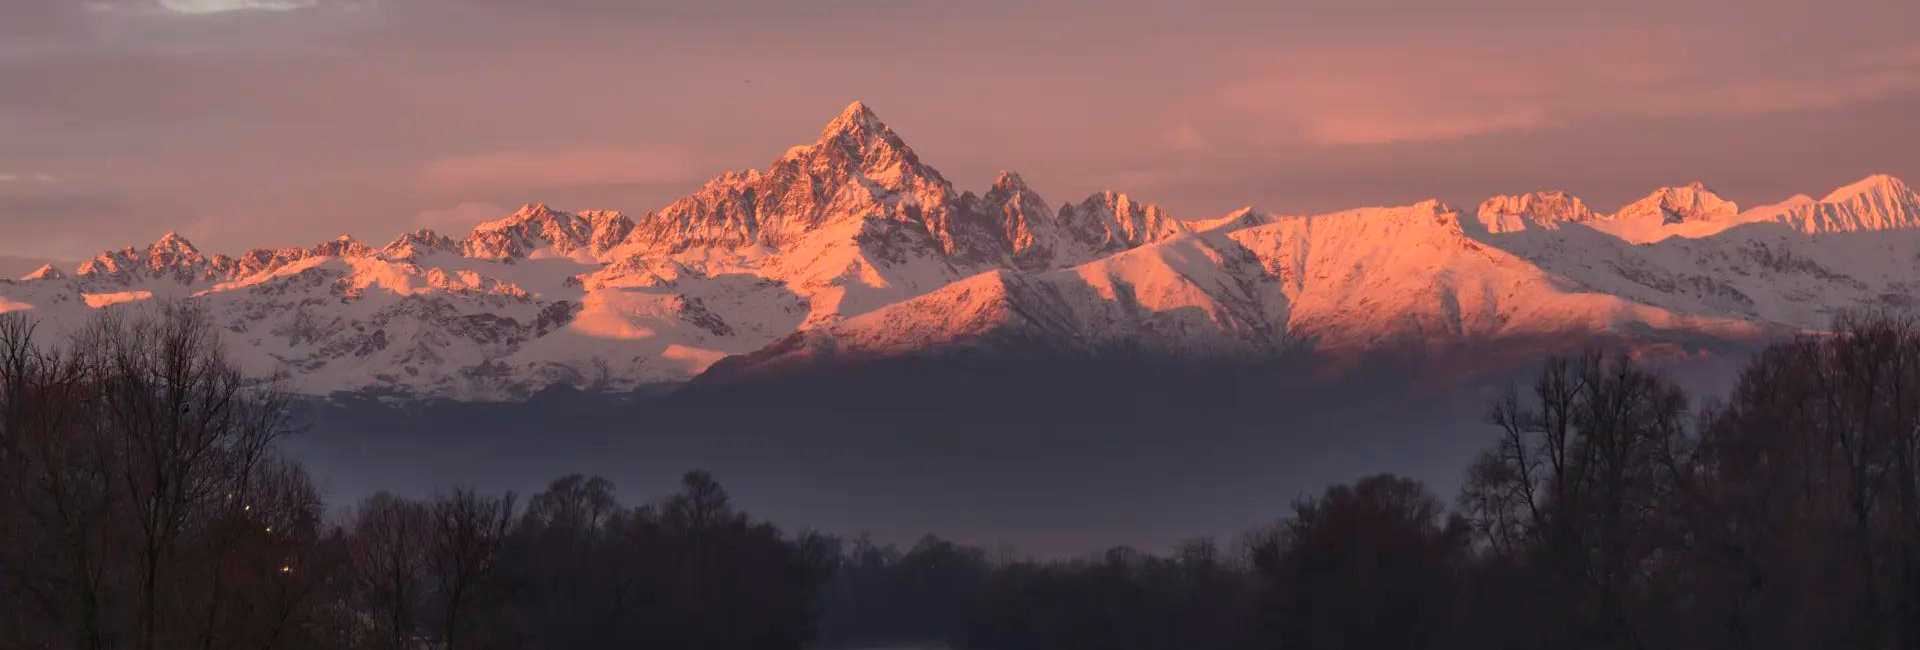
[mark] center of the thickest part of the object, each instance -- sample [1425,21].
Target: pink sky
[282,122]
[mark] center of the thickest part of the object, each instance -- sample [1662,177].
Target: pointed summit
[170,256]
[173,253]
[45,272]
[1541,209]
[857,141]
[530,212]
[1242,217]
[1010,182]
[1111,221]
[527,212]
[418,243]
[855,118]
[1873,184]
[1877,202]
[1670,205]
[342,246]
[172,242]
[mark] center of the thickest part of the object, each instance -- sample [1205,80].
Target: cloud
[1437,92]
[1375,126]
[460,217]
[1344,96]
[559,168]
[31,177]
[1186,137]
[1762,96]
[224,6]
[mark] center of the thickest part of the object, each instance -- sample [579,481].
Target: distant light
[286,568]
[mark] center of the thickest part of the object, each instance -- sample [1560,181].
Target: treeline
[143,505]
[1607,512]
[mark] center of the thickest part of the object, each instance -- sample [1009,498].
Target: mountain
[1875,203]
[1534,210]
[1792,264]
[538,231]
[1341,284]
[19,267]
[1691,210]
[852,249]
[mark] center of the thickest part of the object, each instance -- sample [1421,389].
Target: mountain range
[852,248]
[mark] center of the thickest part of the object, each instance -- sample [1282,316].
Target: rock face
[1875,203]
[536,229]
[1545,209]
[852,247]
[858,170]
[1689,203]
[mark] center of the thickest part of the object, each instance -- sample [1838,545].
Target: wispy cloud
[1187,137]
[560,168]
[224,6]
[31,177]
[460,217]
[1422,94]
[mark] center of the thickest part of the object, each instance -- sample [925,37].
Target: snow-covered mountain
[852,247]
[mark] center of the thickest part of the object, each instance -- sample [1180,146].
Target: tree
[465,533]
[389,554]
[57,540]
[1809,500]
[186,427]
[1576,486]
[576,581]
[141,501]
[1373,565]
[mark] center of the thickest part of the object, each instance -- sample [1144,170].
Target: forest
[145,504]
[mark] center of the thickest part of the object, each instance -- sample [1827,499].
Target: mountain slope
[1340,284]
[852,248]
[1793,264]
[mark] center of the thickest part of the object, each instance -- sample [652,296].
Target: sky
[243,123]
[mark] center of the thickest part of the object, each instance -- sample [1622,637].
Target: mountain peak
[1877,202]
[45,272]
[858,142]
[342,246]
[1882,184]
[419,242]
[527,212]
[1010,181]
[1676,204]
[1542,209]
[530,210]
[172,241]
[856,117]
[1435,206]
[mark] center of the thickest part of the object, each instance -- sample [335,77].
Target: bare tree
[1575,481]
[467,531]
[1810,520]
[389,554]
[188,426]
[1375,564]
[57,506]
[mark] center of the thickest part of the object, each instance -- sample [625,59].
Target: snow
[45,272]
[98,300]
[862,249]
